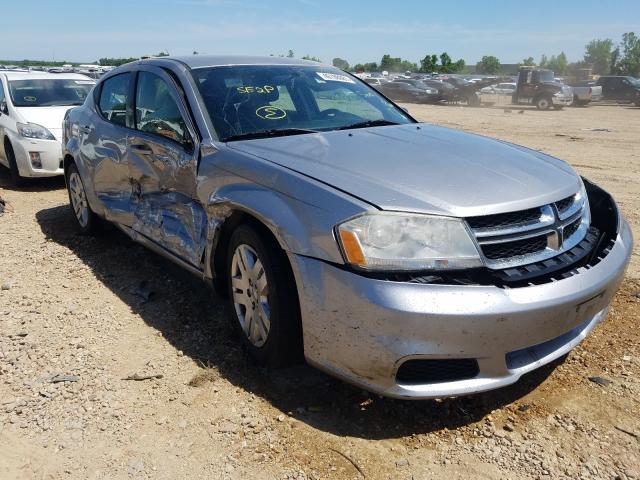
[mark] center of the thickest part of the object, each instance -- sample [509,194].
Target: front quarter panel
[300,212]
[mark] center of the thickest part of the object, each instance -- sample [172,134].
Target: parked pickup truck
[538,87]
[585,92]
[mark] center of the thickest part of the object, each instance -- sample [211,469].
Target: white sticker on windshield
[333,77]
[84,82]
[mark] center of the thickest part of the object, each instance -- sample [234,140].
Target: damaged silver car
[413,260]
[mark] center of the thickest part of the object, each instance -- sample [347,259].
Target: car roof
[202,61]
[37,75]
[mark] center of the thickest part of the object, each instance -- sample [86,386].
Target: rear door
[163,153]
[103,145]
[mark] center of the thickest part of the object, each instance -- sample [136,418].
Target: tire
[263,298]
[17,180]
[544,103]
[87,222]
[473,100]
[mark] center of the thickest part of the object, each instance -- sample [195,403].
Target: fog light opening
[35,159]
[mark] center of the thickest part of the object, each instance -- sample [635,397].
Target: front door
[163,154]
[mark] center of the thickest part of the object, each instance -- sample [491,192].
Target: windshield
[633,81]
[546,76]
[49,92]
[247,100]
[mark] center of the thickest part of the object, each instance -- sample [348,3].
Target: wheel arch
[295,227]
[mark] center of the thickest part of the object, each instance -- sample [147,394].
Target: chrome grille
[527,236]
[517,248]
[505,219]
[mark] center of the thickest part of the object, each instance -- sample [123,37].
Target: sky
[358,31]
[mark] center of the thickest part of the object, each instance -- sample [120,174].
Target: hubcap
[78,199]
[250,294]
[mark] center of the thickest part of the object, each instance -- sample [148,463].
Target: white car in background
[500,93]
[32,107]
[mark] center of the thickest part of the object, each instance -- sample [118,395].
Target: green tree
[528,62]
[162,54]
[558,63]
[396,64]
[313,59]
[544,61]
[489,65]
[598,54]
[449,66]
[366,67]
[429,64]
[629,55]
[340,63]
[116,62]
[290,54]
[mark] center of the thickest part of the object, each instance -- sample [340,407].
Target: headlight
[33,130]
[389,241]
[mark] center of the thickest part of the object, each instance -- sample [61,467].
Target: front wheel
[544,103]
[86,220]
[17,180]
[264,301]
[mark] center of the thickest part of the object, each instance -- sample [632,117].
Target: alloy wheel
[250,294]
[78,199]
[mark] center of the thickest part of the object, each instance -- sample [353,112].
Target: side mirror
[3,107]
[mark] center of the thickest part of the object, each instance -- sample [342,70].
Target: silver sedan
[413,260]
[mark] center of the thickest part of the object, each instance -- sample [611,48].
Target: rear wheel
[544,103]
[263,297]
[17,180]
[86,221]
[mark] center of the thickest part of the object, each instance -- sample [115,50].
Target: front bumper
[50,156]
[563,99]
[362,329]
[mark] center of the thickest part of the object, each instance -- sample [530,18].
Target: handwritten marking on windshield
[264,89]
[271,113]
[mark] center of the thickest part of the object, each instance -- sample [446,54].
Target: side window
[113,98]
[156,111]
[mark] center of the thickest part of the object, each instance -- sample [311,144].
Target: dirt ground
[80,315]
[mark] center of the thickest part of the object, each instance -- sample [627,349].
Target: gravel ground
[83,319]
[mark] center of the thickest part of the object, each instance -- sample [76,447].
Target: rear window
[49,92]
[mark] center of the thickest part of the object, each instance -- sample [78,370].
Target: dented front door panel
[163,189]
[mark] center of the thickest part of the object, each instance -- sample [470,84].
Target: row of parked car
[533,86]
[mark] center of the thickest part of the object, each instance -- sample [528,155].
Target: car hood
[423,168]
[48,117]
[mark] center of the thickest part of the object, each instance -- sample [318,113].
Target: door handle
[141,149]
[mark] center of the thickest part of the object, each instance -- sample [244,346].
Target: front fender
[298,227]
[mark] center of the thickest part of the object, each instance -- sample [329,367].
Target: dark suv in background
[620,89]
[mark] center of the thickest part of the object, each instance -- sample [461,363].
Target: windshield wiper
[368,123]
[269,133]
